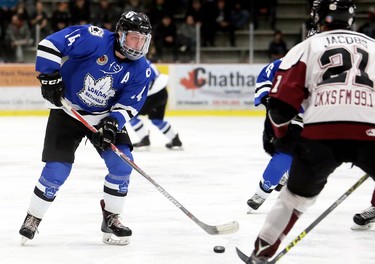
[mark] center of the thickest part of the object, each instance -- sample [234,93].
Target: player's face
[134,40]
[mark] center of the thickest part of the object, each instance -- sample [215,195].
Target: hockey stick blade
[242,255]
[223,229]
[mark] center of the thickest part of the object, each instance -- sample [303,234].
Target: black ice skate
[114,233]
[144,142]
[174,143]
[29,227]
[362,221]
[255,202]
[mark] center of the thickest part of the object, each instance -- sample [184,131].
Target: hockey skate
[144,142]
[254,203]
[114,233]
[174,143]
[362,221]
[29,227]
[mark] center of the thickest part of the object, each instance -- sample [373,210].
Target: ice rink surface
[213,176]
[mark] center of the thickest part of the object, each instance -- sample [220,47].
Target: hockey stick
[222,229]
[294,242]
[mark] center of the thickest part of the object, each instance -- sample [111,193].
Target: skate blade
[111,239]
[24,240]
[249,210]
[360,227]
[142,148]
[176,148]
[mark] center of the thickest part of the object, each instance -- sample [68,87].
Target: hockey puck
[219,249]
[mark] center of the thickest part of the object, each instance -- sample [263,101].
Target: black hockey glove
[264,101]
[268,137]
[52,87]
[287,143]
[106,135]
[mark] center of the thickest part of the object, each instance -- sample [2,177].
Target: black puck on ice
[219,249]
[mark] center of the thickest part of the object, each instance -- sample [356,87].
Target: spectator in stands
[17,37]
[216,17]
[80,12]
[135,5]
[187,38]
[7,9]
[164,35]
[22,12]
[194,9]
[106,15]
[264,8]
[240,16]
[368,28]
[208,29]
[39,19]
[158,10]
[223,20]
[277,47]
[60,17]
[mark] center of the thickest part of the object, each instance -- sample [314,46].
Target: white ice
[212,177]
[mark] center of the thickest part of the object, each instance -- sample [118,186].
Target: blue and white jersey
[97,83]
[158,81]
[154,71]
[264,81]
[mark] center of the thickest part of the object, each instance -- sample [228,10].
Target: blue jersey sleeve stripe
[262,86]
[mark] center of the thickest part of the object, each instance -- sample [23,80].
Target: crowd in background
[24,22]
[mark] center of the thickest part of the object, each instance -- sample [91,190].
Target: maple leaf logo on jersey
[191,82]
[97,92]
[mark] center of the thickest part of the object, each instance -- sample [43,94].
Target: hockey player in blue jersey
[276,173]
[105,76]
[154,108]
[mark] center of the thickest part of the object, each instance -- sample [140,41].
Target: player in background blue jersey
[154,108]
[276,173]
[105,76]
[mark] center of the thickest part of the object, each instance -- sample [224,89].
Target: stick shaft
[212,230]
